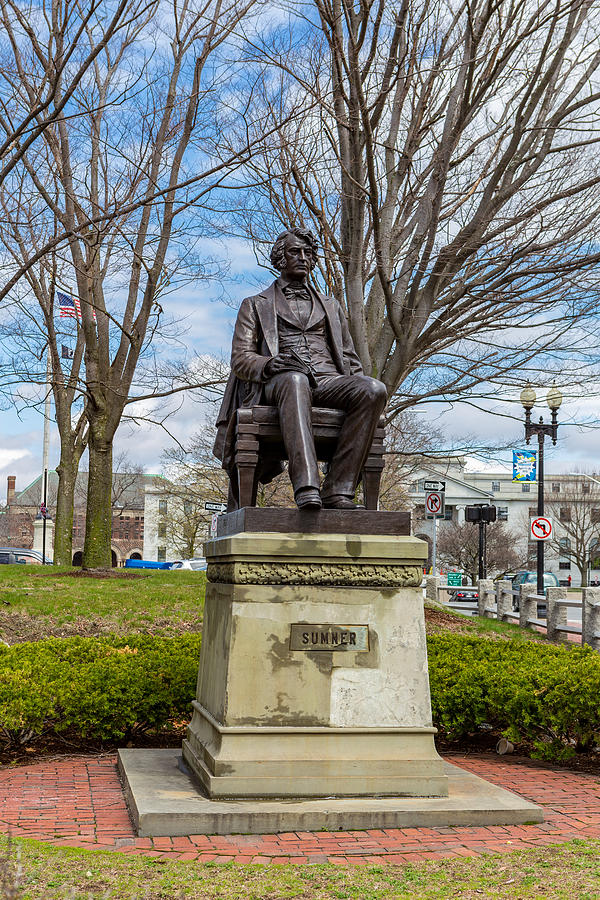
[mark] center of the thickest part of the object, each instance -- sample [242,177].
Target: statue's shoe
[308,498]
[340,501]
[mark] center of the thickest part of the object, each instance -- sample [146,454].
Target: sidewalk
[78,802]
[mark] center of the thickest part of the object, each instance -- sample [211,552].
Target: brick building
[128,497]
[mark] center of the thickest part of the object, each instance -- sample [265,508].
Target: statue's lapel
[335,330]
[265,309]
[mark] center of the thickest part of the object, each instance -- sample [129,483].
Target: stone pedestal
[313,674]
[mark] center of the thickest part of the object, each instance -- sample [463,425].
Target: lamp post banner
[524,465]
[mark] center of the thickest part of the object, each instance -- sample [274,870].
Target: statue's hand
[285,363]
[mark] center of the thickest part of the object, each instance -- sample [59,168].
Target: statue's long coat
[255,341]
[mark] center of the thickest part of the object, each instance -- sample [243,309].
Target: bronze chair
[258,433]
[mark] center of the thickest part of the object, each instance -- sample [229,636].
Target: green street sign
[455,579]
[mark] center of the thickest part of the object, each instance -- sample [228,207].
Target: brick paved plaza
[78,802]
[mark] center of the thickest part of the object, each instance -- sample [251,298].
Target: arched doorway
[113,557]
[135,555]
[77,558]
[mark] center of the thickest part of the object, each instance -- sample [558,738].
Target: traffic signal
[480,513]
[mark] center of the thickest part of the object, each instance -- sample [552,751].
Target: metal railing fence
[498,600]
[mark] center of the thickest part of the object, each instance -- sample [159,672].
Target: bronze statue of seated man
[292,349]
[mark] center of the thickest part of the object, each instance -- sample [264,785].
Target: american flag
[68,306]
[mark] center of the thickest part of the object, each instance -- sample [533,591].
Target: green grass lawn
[565,871]
[42,600]
[477,625]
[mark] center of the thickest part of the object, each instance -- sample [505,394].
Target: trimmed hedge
[545,694]
[111,688]
[105,687]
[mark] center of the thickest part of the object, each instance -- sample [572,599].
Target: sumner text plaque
[329,637]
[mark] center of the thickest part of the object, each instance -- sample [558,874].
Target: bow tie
[297,291]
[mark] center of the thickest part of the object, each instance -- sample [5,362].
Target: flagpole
[45,453]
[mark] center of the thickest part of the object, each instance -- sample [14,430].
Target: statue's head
[294,253]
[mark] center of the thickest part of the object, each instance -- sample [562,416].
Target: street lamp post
[541,429]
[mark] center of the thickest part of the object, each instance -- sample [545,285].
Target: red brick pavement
[78,802]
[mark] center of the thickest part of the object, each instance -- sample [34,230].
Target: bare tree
[45,355]
[50,33]
[192,477]
[410,445]
[576,514]
[447,159]
[141,128]
[458,545]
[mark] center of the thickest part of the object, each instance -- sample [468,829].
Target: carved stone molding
[334,574]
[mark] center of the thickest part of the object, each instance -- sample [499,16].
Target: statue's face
[298,258]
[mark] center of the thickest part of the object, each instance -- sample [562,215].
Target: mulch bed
[91,573]
[53,745]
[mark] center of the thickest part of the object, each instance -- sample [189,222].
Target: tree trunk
[98,522]
[63,527]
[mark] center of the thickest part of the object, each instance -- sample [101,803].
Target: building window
[585,487]
[555,487]
[162,507]
[525,488]
[161,556]
[564,560]
[188,507]
[595,515]
[503,513]
[565,514]
[162,529]
[495,486]
[448,513]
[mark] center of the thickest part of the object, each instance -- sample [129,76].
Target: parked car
[146,564]
[22,556]
[460,594]
[550,580]
[196,565]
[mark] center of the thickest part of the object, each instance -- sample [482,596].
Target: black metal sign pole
[540,509]
[540,429]
[481,547]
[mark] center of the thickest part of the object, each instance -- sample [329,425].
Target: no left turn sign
[541,528]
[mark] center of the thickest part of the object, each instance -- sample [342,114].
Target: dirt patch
[18,628]
[91,573]
[437,620]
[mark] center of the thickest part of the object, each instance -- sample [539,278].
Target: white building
[165,514]
[515,503]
